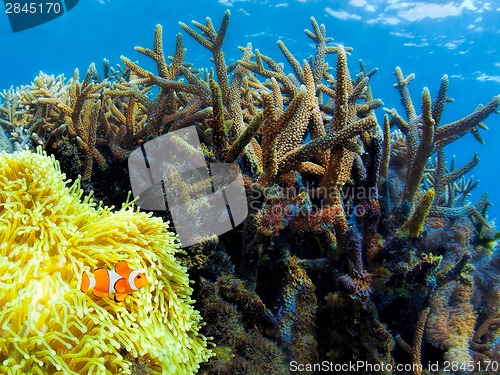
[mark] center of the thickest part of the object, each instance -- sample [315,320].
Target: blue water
[459,38]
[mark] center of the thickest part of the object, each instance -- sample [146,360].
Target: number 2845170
[477,366]
[33,8]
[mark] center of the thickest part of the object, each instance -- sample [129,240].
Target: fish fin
[119,297]
[99,293]
[122,268]
[121,285]
[85,282]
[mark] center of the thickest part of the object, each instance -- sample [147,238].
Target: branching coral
[105,118]
[14,119]
[49,235]
[424,132]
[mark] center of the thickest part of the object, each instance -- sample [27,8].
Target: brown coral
[451,321]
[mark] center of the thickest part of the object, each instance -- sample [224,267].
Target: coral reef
[49,234]
[242,327]
[359,237]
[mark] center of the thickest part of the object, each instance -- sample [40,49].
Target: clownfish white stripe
[92,282]
[113,278]
[131,279]
[88,281]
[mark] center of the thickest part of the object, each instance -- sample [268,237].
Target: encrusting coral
[358,237]
[49,234]
[452,320]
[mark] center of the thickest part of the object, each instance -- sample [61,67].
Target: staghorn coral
[49,235]
[14,119]
[103,118]
[424,133]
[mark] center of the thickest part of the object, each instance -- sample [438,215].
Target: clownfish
[120,281]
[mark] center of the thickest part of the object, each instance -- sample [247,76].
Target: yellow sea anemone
[48,236]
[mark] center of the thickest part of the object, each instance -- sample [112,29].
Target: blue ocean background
[458,38]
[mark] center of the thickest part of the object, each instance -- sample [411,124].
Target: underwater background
[458,38]
[369,235]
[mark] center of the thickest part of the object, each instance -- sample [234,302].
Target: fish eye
[138,276]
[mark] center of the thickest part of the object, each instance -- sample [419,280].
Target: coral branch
[449,133]
[425,147]
[386,155]
[213,41]
[402,87]
[414,226]
[416,356]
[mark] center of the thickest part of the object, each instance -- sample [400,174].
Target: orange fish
[120,281]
